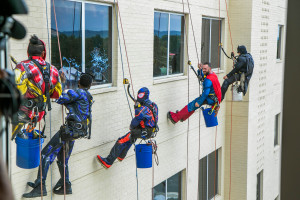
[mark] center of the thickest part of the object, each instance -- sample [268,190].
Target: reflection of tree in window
[98,35]
[98,42]
[99,64]
[71,72]
[161,23]
[176,27]
[69,15]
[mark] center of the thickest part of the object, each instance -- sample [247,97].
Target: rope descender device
[200,78]
[126,82]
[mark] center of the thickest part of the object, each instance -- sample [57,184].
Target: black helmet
[241,49]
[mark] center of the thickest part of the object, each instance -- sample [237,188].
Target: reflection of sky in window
[161,21]
[96,20]
[68,14]
[175,24]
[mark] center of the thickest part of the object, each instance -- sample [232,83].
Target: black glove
[232,54]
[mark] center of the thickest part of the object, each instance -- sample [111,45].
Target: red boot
[182,115]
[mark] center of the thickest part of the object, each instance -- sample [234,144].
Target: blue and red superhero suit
[143,120]
[78,103]
[211,87]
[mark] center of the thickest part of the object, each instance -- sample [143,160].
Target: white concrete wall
[111,115]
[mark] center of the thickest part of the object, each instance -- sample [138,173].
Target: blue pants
[54,149]
[120,148]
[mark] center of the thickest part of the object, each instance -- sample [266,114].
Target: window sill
[100,90]
[276,148]
[279,61]
[167,79]
[216,197]
[218,72]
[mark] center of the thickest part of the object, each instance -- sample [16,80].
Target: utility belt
[39,102]
[73,130]
[216,105]
[144,133]
[214,98]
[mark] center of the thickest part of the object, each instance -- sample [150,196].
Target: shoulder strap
[153,112]
[90,113]
[46,76]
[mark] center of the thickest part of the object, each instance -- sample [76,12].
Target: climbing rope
[190,14]
[49,57]
[124,45]
[119,15]
[122,63]
[41,174]
[198,55]
[64,152]
[188,88]
[216,132]
[230,103]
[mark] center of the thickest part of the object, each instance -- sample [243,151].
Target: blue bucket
[210,119]
[143,153]
[28,151]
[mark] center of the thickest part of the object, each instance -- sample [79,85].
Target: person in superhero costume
[77,125]
[211,95]
[38,81]
[143,125]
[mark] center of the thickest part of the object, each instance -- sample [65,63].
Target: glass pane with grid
[69,25]
[176,41]
[161,27]
[279,36]
[174,187]
[73,21]
[98,40]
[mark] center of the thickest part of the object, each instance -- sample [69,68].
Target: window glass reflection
[69,24]
[161,24]
[98,42]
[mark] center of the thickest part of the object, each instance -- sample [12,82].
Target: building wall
[253,119]
[111,116]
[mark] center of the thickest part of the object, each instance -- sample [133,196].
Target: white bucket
[237,96]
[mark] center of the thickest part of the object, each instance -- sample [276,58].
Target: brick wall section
[111,116]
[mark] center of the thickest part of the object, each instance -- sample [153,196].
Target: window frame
[281,42]
[221,35]
[218,177]
[166,185]
[83,2]
[168,49]
[277,129]
[261,182]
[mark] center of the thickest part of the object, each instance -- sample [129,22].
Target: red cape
[216,85]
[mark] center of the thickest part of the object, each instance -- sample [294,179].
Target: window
[210,42]
[208,176]
[169,189]
[279,42]
[277,129]
[259,186]
[168,44]
[277,198]
[85,34]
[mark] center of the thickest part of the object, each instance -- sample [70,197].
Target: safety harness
[37,104]
[72,129]
[216,106]
[44,99]
[147,132]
